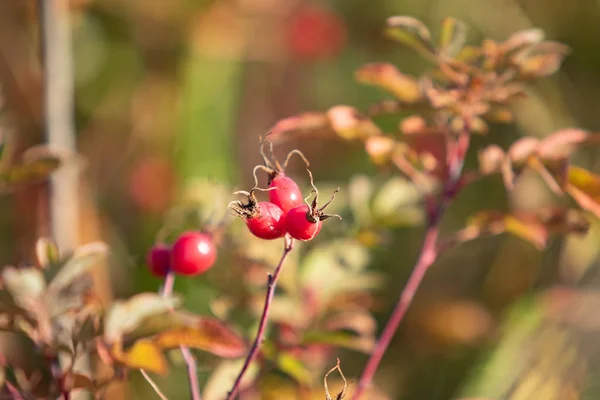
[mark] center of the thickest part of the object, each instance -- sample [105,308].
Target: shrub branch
[260,335]
[428,255]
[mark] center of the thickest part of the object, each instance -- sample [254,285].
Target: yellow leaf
[584,187]
[350,124]
[144,354]
[206,334]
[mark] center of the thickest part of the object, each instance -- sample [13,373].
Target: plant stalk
[260,335]
[428,255]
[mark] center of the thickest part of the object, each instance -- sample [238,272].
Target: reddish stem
[427,257]
[190,361]
[260,335]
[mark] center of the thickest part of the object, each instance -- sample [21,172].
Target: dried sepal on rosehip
[264,220]
[304,222]
[285,192]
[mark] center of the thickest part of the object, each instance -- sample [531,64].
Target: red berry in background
[193,253]
[151,183]
[287,194]
[314,32]
[159,259]
[298,224]
[268,223]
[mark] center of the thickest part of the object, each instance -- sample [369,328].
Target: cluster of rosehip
[193,253]
[286,211]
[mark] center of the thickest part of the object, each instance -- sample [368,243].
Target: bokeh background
[169,92]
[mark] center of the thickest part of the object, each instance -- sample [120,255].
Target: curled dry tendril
[341,394]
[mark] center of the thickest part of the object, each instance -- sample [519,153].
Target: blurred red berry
[159,259]
[151,182]
[315,33]
[287,195]
[193,253]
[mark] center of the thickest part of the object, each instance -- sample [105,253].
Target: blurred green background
[172,91]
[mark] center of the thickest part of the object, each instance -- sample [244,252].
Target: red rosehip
[299,225]
[264,220]
[284,192]
[268,223]
[159,259]
[193,253]
[304,222]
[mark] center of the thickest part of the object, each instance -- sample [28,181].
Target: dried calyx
[272,167]
[246,210]
[315,213]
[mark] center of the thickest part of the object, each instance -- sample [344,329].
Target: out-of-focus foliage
[171,98]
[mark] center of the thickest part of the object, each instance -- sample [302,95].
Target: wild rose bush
[324,299]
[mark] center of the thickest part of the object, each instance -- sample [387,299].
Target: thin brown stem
[427,257]
[154,385]
[260,335]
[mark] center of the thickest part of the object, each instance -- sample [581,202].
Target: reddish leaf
[302,123]
[388,77]
[348,123]
[490,159]
[544,60]
[561,144]
[522,40]
[495,222]
[206,334]
[381,149]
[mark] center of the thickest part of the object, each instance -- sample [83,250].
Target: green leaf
[124,316]
[294,368]
[347,340]
[38,163]
[224,377]
[83,259]
[46,252]
[453,36]
[335,268]
[412,33]
[26,285]
[397,203]
[360,191]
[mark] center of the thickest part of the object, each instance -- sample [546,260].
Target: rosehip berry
[304,221]
[193,253]
[299,224]
[159,259]
[285,192]
[264,220]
